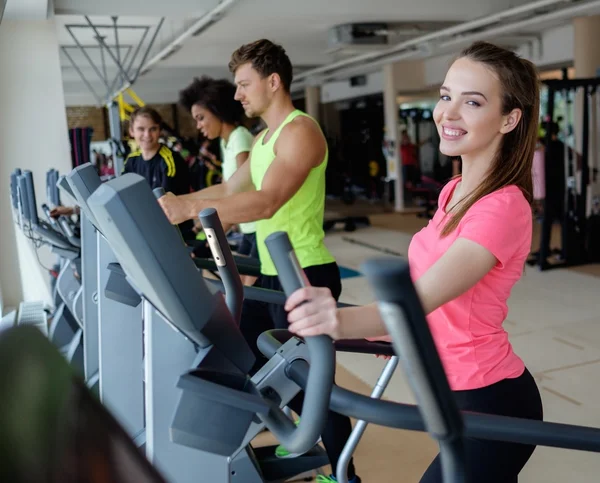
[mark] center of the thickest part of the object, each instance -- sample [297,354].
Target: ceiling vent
[357,37]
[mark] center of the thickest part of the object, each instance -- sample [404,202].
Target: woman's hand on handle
[313,311]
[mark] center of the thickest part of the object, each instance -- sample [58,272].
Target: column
[586,54]
[33,129]
[312,95]
[391,151]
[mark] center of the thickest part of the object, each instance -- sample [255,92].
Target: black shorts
[258,317]
[248,246]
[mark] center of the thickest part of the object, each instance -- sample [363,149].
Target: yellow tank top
[301,217]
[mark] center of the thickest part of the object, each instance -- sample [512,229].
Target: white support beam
[132,8]
[27,10]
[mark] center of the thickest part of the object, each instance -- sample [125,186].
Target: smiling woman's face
[469,115]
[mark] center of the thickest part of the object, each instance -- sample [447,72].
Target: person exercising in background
[218,115]
[466,261]
[159,165]
[282,188]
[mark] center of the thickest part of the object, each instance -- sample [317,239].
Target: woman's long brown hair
[513,162]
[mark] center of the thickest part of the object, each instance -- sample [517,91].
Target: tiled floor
[554,325]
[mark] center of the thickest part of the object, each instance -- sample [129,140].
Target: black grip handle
[23,198]
[51,220]
[291,276]
[219,247]
[158,192]
[30,190]
[14,193]
[321,357]
[66,228]
[404,317]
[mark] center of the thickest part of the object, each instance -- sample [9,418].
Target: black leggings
[248,245]
[495,461]
[258,317]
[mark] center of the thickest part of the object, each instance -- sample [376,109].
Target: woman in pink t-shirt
[467,260]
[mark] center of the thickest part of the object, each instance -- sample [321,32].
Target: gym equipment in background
[581,160]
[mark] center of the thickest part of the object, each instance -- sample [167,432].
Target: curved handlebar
[404,318]
[217,241]
[66,228]
[322,357]
[159,193]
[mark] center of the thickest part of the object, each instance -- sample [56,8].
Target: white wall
[33,135]
[409,76]
[342,90]
[436,68]
[557,47]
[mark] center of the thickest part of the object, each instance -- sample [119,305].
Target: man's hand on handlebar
[62,211]
[174,207]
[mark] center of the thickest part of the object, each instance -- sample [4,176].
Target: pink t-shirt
[467,331]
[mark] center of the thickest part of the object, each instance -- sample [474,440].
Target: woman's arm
[460,268]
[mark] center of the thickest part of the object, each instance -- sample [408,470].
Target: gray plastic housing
[322,361]
[31,200]
[208,399]
[83,181]
[217,241]
[153,257]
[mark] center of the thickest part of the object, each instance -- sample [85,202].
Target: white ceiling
[132,8]
[300,26]
[26,9]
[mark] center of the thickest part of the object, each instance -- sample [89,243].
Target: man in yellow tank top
[282,188]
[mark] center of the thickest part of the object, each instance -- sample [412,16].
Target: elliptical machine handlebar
[405,321]
[322,361]
[404,318]
[158,192]
[217,241]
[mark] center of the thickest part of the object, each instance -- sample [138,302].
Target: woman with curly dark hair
[218,115]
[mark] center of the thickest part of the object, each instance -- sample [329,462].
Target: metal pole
[137,51]
[103,59]
[114,120]
[114,19]
[341,472]
[110,52]
[116,79]
[453,459]
[88,58]
[87,83]
[158,27]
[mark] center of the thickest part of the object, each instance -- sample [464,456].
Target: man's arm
[300,147]
[241,158]
[185,207]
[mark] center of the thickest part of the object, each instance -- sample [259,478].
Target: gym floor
[554,325]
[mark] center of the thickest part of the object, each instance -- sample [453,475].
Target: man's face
[145,132]
[252,90]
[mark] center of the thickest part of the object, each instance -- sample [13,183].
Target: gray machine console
[151,254]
